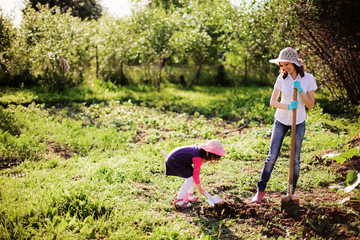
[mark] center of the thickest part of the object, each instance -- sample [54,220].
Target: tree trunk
[123,80]
[97,62]
[161,65]
[196,77]
[245,74]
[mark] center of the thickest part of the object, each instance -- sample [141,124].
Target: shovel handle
[292,149]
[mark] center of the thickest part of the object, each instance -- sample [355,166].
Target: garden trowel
[290,201]
[212,200]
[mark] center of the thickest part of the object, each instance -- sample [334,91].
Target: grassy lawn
[86,164]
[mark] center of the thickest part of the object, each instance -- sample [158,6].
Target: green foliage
[305,25]
[7,122]
[81,206]
[183,35]
[57,37]
[112,45]
[42,41]
[352,177]
[324,28]
[5,33]
[7,38]
[192,40]
[236,40]
[168,4]
[346,155]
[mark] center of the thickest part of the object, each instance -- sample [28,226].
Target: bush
[47,49]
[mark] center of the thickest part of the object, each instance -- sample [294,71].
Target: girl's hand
[201,190]
[296,84]
[293,105]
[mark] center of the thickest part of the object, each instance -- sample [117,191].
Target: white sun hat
[288,55]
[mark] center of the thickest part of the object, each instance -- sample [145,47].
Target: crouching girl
[186,162]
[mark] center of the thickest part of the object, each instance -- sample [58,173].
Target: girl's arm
[309,99]
[196,174]
[201,190]
[274,100]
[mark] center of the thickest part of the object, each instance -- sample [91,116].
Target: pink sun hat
[213,146]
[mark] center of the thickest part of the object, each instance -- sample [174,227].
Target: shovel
[212,200]
[290,201]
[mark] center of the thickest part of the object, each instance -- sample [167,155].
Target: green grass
[113,138]
[249,103]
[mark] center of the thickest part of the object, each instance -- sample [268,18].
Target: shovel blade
[212,203]
[212,200]
[217,199]
[290,202]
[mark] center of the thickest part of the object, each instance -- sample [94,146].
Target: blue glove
[293,105]
[296,84]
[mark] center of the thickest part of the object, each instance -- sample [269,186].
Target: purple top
[180,160]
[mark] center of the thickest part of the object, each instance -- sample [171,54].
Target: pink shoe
[258,197]
[181,203]
[191,198]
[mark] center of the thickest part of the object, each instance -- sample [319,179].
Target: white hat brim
[278,60]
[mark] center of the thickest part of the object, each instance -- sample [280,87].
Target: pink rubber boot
[258,197]
[181,203]
[191,198]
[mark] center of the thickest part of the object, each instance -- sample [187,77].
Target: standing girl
[292,75]
[186,162]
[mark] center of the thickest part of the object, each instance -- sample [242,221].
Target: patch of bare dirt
[347,165]
[11,163]
[316,216]
[355,141]
[344,168]
[64,151]
[355,205]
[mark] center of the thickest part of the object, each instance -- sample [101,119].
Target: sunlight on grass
[94,170]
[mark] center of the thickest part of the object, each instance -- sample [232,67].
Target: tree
[167,4]
[154,29]
[265,29]
[46,40]
[5,39]
[191,42]
[330,31]
[84,9]
[205,32]
[324,30]
[5,32]
[112,39]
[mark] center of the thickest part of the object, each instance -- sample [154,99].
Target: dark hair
[208,156]
[299,70]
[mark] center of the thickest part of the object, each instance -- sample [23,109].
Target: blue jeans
[277,137]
